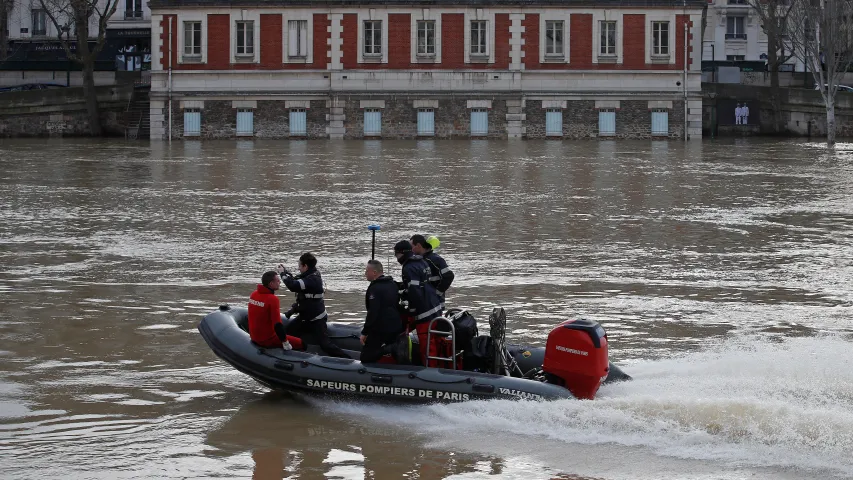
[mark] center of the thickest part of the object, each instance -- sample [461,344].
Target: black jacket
[309,294]
[424,302]
[381,303]
[440,276]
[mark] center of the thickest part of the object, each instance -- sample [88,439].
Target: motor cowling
[576,357]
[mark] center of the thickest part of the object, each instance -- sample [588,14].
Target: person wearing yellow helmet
[441,276]
[433,241]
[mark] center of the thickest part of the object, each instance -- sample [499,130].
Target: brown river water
[721,270]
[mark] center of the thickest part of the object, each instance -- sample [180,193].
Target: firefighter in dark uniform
[424,303]
[310,306]
[382,325]
[441,276]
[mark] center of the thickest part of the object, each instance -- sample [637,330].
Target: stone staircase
[139,114]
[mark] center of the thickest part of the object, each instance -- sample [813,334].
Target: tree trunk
[4,33]
[830,121]
[91,96]
[775,92]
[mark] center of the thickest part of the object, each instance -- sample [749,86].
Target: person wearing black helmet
[310,305]
[424,302]
[441,276]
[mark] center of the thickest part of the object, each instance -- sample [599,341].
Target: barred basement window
[660,123]
[192,122]
[479,122]
[606,122]
[554,122]
[245,122]
[372,122]
[298,122]
[426,122]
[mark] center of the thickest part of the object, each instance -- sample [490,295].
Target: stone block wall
[452,117]
[67,124]
[271,119]
[580,119]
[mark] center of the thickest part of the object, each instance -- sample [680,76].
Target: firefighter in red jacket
[265,326]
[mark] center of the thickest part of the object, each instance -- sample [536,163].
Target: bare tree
[773,15]
[822,32]
[72,18]
[6,7]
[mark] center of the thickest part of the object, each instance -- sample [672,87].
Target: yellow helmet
[433,241]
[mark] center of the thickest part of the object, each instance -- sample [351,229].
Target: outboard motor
[576,357]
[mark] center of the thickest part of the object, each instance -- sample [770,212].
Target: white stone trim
[421,14]
[244,104]
[185,104]
[609,15]
[660,104]
[297,104]
[606,104]
[297,14]
[654,16]
[549,104]
[516,41]
[335,41]
[480,104]
[157,47]
[480,14]
[424,104]
[373,14]
[372,104]
[191,16]
[560,15]
[245,15]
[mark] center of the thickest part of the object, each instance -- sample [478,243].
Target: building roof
[691,4]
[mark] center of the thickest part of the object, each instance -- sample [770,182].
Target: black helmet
[402,246]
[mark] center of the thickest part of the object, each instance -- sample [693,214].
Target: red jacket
[264,314]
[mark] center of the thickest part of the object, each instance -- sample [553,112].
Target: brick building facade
[326,69]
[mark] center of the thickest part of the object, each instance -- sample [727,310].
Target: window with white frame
[297,38]
[735,27]
[192,122]
[479,38]
[372,122]
[606,122]
[245,122]
[39,22]
[554,122]
[298,122]
[372,37]
[133,9]
[426,122]
[192,39]
[608,38]
[660,39]
[554,38]
[426,37]
[245,38]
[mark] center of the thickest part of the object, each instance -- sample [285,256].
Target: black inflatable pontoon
[309,372]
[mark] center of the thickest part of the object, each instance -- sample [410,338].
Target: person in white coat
[744,115]
[738,114]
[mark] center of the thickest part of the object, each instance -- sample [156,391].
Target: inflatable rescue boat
[573,363]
